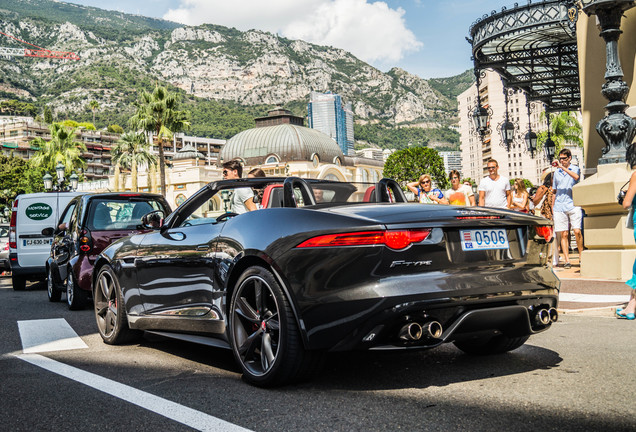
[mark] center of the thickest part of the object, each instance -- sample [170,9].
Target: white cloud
[371,31]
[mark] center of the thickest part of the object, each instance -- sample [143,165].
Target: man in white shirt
[494,190]
[242,198]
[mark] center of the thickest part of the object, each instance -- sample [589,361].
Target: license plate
[484,239]
[36,242]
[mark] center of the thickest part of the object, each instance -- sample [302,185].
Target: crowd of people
[552,199]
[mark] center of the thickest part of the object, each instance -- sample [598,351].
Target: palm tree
[564,129]
[93,105]
[63,147]
[158,112]
[131,151]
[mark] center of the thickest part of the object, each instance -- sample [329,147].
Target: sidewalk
[588,296]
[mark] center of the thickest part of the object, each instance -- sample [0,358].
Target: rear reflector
[544,231]
[394,239]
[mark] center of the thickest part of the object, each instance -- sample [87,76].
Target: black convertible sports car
[360,269]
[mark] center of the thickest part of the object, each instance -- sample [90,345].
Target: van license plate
[36,242]
[483,239]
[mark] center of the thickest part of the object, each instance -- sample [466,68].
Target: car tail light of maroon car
[13,238]
[85,241]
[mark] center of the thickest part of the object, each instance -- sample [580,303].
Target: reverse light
[544,231]
[394,239]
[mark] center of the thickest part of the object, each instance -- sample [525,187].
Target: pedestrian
[258,192]
[519,201]
[494,189]
[242,198]
[629,202]
[458,194]
[566,214]
[424,192]
[543,199]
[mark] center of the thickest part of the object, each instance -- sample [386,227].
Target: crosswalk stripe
[44,335]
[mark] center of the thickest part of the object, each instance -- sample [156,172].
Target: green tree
[48,115]
[564,129]
[63,147]
[158,112]
[115,128]
[409,164]
[93,105]
[132,151]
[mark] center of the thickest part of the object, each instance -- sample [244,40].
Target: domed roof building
[281,145]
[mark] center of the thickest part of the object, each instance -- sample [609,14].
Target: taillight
[13,235]
[544,231]
[85,241]
[394,239]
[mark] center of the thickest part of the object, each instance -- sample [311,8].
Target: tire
[110,312]
[76,298]
[19,283]
[496,345]
[263,332]
[53,289]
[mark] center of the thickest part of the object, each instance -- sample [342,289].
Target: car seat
[101,217]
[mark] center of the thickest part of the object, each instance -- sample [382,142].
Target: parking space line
[593,298]
[171,410]
[43,335]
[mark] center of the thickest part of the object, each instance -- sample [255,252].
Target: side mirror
[48,231]
[152,220]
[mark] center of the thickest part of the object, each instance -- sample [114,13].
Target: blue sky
[424,37]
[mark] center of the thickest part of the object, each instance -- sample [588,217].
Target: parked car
[4,248]
[362,269]
[28,247]
[89,223]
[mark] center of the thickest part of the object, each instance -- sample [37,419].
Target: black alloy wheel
[76,298]
[53,289]
[109,308]
[496,345]
[263,332]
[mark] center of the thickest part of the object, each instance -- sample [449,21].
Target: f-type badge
[411,263]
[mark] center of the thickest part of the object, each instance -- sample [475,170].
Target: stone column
[611,248]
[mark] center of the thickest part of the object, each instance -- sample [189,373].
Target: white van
[28,248]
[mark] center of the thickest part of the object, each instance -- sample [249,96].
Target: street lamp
[48,181]
[531,142]
[550,148]
[74,180]
[59,169]
[480,118]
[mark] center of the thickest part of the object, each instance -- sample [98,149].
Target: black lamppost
[531,137]
[59,172]
[617,128]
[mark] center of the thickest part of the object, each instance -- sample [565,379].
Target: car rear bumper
[35,273]
[503,301]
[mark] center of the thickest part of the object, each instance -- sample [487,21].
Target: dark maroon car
[89,223]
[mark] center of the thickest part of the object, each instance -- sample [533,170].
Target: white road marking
[48,335]
[593,298]
[156,404]
[57,334]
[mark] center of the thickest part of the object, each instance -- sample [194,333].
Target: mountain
[216,68]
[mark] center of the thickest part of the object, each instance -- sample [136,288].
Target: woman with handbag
[629,202]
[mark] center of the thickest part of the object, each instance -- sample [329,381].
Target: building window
[315,160]
[272,159]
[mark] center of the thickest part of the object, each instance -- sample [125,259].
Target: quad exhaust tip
[414,331]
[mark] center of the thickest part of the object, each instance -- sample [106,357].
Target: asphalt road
[578,376]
